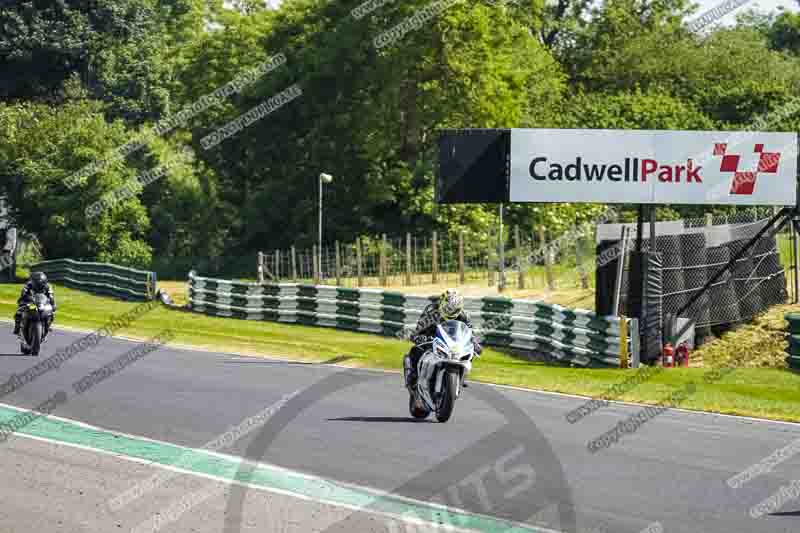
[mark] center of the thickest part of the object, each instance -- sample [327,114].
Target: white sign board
[653,167]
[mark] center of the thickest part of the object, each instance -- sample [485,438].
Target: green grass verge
[760,392]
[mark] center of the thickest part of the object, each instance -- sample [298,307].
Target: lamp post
[323,178]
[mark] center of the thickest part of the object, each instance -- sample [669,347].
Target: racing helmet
[38,281]
[451,304]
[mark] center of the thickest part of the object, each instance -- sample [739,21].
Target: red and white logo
[744,181]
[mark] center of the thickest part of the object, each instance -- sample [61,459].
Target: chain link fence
[693,250]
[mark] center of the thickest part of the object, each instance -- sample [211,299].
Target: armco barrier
[101,278]
[575,336]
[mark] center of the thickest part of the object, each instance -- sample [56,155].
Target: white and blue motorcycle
[441,371]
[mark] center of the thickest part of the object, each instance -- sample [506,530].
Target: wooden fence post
[435,259]
[461,274]
[548,258]
[520,262]
[260,268]
[338,265]
[276,276]
[382,266]
[408,259]
[294,266]
[359,281]
[315,260]
[489,263]
[579,261]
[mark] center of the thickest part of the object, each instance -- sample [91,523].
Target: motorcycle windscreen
[456,335]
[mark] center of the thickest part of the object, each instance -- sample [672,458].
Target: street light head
[325,178]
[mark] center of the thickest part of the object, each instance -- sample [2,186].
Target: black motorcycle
[37,316]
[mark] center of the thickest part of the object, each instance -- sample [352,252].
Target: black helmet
[38,280]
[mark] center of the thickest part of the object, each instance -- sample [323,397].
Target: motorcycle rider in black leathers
[37,284]
[449,307]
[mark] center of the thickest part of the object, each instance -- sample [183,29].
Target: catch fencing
[693,250]
[101,278]
[571,336]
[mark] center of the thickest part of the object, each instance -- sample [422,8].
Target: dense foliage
[80,79]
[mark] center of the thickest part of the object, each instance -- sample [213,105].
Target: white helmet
[451,304]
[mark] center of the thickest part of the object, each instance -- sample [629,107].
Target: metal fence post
[276,275]
[520,268]
[501,254]
[620,271]
[796,252]
[260,268]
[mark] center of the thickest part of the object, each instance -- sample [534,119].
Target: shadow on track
[786,513]
[380,419]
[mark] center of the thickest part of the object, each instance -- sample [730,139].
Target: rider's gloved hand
[419,339]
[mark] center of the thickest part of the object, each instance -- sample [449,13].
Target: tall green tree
[114,47]
[370,116]
[39,146]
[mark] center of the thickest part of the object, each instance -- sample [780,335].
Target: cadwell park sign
[653,167]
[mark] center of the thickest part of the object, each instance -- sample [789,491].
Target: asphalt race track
[351,427]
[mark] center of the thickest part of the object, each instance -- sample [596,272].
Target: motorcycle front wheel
[447,402]
[36,330]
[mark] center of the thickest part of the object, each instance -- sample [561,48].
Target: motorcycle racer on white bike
[449,307]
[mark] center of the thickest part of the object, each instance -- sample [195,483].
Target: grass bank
[760,392]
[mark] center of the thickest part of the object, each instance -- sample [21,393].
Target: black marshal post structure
[496,166]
